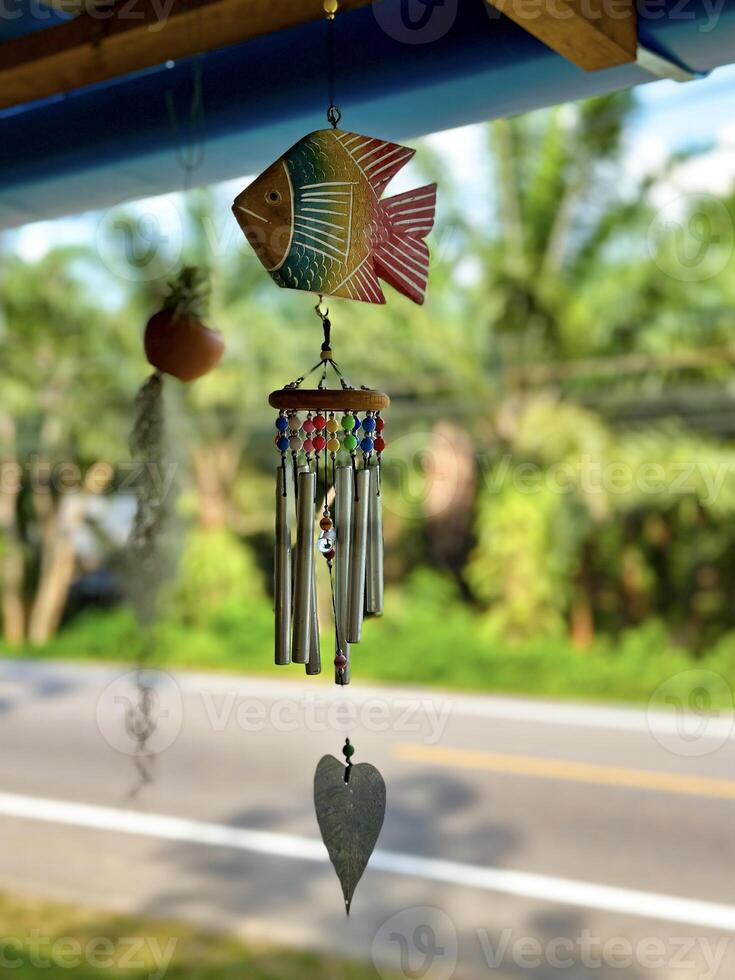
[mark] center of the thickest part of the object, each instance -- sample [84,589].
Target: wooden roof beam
[113,40]
[592,34]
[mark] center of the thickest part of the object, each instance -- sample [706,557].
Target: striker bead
[325,523]
[294,443]
[348,423]
[319,421]
[282,444]
[333,445]
[379,444]
[368,424]
[332,425]
[308,446]
[281,423]
[348,751]
[379,423]
[350,443]
[329,555]
[319,443]
[307,425]
[367,445]
[340,661]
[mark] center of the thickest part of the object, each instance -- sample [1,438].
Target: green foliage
[216,574]
[430,638]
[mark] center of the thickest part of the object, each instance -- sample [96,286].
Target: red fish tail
[402,257]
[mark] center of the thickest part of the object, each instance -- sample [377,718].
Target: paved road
[522,839]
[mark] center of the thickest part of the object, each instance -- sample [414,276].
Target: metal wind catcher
[331,443]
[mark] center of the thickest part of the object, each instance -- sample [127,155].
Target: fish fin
[402,259]
[361,285]
[378,160]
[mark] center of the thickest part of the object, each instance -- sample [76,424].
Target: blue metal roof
[114,141]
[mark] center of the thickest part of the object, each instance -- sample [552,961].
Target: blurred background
[560,491]
[559,478]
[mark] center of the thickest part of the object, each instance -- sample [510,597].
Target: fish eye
[273,197]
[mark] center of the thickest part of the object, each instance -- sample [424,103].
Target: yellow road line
[563,769]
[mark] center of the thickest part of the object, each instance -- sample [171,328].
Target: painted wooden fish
[316,220]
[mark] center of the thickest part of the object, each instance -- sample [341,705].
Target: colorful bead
[379,423]
[379,444]
[340,661]
[319,443]
[368,424]
[294,444]
[319,421]
[308,446]
[332,424]
[333,445]
[367,445]
[350,443]
[282,444]
[294,422]
[357,425]
[281,423]
[348,751]
[348,422]
[307,425]
[329,555]
[326,523]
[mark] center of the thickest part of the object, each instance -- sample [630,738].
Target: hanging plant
[176,340]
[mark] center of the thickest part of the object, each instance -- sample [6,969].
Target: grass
[42,940]
[429,638]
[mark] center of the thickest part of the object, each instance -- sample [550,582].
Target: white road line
[520,883]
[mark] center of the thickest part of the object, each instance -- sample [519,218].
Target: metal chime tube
[303,566]
[374,573]
[358,556]
[314,665]
[282,583]
[344,494]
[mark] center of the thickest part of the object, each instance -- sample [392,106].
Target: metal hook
[318,309]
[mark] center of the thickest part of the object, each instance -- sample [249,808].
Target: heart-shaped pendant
[350,807]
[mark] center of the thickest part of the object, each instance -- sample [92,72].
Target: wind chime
[316,220]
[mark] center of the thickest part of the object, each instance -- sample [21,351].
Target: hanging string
[191,146]
[333,114]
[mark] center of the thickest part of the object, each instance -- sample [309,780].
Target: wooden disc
[329,399]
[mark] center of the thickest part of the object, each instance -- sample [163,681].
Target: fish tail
[402,257]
